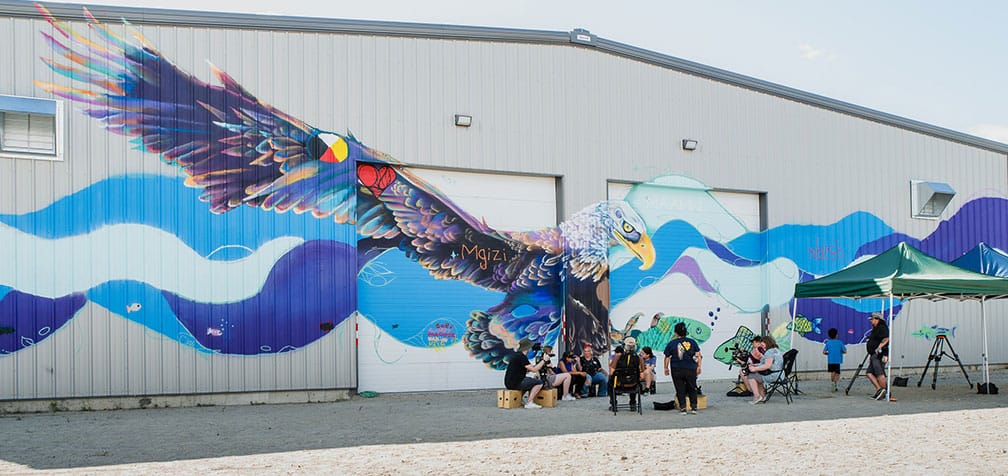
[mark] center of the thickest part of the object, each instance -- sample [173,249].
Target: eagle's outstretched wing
[401,210]
[238,149]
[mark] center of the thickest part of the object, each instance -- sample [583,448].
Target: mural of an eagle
[241,151]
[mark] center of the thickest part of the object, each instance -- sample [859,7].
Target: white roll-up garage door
[410,324]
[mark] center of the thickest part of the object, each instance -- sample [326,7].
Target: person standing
[878,350]
[834,350]
[683,361]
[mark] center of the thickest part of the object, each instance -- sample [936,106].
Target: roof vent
[929,199]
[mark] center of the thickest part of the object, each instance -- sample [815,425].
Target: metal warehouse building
[215,204]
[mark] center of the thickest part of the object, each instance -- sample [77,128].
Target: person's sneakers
[532,405]
[834,386]
[683,412]
[568,398]
[881,394]
[692,412]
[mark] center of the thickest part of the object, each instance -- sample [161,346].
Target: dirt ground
[951,428]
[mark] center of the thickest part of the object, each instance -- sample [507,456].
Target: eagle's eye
[628,228]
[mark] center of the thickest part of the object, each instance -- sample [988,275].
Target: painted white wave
[54,268]
[739,285]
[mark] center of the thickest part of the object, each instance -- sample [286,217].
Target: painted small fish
[931,332]
[803,325]
[6,330]
[213,331]
[743,339]
[133,307]
[326,326]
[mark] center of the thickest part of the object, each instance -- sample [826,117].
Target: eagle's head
[589,233]
[627,228]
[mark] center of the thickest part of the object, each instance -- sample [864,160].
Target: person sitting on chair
[650,361]
[768,369]
[625,361]
[597,374]
[570,364]
[518,366]
[554,379]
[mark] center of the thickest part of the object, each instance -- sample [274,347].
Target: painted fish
[326,326]
[212,331]
[803,325]
[743,339]
[930,332]
[659,335]
[6,330]
[133,307]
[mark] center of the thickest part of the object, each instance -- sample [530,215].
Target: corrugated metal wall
[557,110]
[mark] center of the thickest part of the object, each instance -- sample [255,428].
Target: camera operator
[551,377]
[515,377]
[878,350]
[768,368]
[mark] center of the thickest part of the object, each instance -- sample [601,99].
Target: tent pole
[983,322]
[888,374]
[794,313]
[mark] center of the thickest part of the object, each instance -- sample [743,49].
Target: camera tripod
[937,351]
[856,372]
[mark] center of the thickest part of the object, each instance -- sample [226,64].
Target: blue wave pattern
[823,249]
[167,203]
[308,291]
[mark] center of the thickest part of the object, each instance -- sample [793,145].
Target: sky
[940,62]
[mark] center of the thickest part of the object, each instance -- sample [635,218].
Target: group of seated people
[574,376]
[765,364]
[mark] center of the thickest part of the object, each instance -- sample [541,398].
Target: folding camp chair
[784,382]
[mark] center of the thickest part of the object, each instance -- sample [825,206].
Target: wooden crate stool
[546,398]
[509,398]
[701,402]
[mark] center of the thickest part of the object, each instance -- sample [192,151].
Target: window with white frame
[30,128]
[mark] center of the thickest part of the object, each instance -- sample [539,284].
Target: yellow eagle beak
[642,249]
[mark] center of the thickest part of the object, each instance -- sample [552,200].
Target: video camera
[740,357]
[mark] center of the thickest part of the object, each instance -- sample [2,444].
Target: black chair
[626,381]
[786,382]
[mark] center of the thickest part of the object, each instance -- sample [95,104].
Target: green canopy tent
[904,272]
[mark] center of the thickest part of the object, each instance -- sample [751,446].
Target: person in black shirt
[596,372]
[877,347]
[518,366]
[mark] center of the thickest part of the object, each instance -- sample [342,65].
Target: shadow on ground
[81,439]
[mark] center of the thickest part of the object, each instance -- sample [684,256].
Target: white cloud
[998,132]
[812,53]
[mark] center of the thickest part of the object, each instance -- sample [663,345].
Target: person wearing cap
[518,366]
[598,374]
[878,348]
[626,356]
[683,362]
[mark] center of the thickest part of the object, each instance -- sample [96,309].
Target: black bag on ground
[987,389]
[669,405]
[899,381]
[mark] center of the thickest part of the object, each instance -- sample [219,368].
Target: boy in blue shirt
[834,349]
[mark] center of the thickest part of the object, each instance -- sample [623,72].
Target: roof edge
[576,38]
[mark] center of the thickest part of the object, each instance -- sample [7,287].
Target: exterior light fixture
[689,144]
[462,120]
